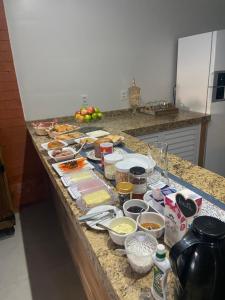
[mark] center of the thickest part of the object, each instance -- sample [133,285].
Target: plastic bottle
[160,269]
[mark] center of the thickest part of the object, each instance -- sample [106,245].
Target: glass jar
[124,190]
[105,148]
[122,170]
[138,177]
[109,165]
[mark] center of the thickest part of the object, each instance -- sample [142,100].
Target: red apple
[90,109]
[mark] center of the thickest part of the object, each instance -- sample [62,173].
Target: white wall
[65,48]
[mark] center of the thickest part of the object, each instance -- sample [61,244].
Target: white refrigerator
[200,87]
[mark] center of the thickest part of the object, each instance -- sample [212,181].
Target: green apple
[87,118]
[99,114]
[94,116]
[97,110]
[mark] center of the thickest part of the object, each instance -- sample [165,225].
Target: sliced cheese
[81,176]
[96,198]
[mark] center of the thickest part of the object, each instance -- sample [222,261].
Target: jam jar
[124,190]
[138,177]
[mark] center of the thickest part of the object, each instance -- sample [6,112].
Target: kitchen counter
[105,275]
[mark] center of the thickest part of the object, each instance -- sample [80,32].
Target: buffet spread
[138,213]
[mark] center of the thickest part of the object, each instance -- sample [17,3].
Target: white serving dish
[61,173]
[140,160]
[139,247]
[97,133]
[151,217]
[62,158]
[117,238]
[87,145]
[54,134]
[45,146]
[134,202]
[103,208]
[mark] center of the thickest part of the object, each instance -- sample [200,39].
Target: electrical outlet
[84,99]
[123,95]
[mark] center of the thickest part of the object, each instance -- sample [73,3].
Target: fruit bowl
[88,114]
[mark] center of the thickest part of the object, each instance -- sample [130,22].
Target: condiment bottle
[160,273]
[138,177]
[124,190]
[109,164]
[105,148]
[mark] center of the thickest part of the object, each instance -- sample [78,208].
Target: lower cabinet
[183,142]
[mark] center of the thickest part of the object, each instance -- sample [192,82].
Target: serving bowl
[133,203]
[151,217]
[119,238]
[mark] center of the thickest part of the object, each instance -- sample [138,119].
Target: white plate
[61,173]
[54,134]
[62,158]
[140,160]
[45,146]
[97,133]
[88,145]
[91,155]
[103,208]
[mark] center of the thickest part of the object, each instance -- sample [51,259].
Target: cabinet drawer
[183,142]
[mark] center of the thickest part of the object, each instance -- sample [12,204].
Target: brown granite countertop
[123,282]
[140,123]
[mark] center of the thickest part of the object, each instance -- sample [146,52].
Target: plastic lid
[124,187]
[106,144]
[160,252]
[209,227]
[113,158]
[137,171]
[124,166]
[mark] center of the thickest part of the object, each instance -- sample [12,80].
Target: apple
[90,109]
[97,109]
[94,116]
[87,118]
[83,112]
[81,119]
[99,114]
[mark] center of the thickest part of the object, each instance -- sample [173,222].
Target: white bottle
[160,269]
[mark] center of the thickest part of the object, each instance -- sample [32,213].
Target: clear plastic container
[109,164]
[78,176]
[87,198]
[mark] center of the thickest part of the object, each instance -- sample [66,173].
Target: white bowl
[150,217]
[117,238]
[139,247]
[134,202]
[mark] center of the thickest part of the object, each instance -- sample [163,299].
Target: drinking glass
[158,152]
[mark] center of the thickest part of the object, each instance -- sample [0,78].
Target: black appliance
[198,261]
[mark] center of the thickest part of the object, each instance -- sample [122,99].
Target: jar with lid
[122,170]
[109,164]
[124,190]
[138,177]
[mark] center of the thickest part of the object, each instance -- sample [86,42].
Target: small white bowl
[117,238]
[134,202]
[150,217]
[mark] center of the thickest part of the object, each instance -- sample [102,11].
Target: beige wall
[63,49]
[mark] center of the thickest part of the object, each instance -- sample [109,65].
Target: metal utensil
[78,151]
[108,228]
[93,215]
[106,218]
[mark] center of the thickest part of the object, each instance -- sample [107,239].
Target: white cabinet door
[183,142]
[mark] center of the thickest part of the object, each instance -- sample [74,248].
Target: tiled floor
[35,263]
